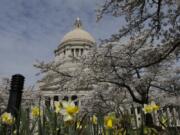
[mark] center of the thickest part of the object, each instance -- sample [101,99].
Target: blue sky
[31,30]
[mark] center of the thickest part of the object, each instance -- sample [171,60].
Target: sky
[31,30]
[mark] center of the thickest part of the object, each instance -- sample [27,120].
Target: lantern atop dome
[78,23]
[77,35]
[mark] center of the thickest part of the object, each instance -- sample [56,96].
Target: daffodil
[58,106]
[7,118]
[110,120]
[147,108]
[69,109]
[94,119]
[150,108]
[36,112]
[155,107]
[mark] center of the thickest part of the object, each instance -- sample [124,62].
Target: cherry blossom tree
[144,53]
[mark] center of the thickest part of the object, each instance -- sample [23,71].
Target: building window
[64,52]
[72,52]
[56,98]
[77,52]
[72,98]
[81,51]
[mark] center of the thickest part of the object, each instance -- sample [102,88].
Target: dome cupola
[76,42]
[77,35]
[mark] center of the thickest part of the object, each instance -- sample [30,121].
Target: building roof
[77,34]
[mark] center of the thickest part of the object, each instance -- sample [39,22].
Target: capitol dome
[77,35]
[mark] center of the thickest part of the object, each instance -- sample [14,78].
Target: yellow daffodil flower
[155,107]
[147,108]
[94,119]
[36,112]
[58,106]
[7,118]
[109,123]
[110,120]
[69,109]
[150,108]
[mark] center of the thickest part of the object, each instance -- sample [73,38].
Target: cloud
[32,29]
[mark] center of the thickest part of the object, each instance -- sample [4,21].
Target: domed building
[74,45]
